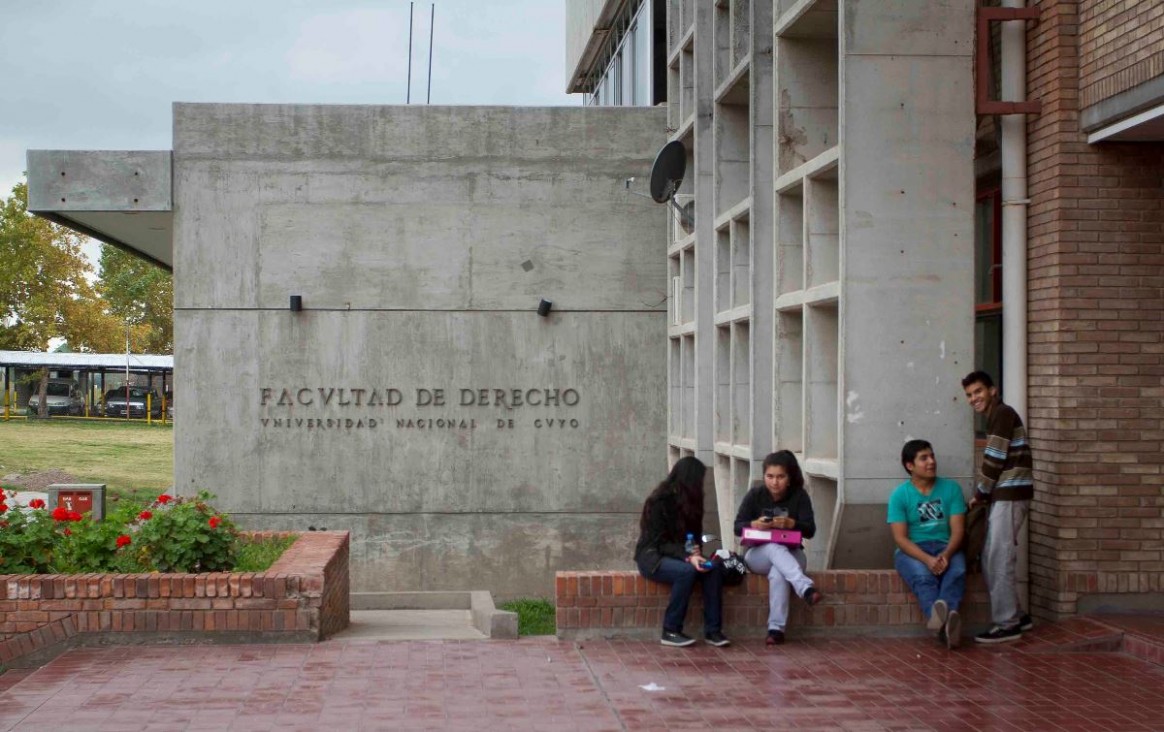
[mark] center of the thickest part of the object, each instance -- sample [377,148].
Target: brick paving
[540,683]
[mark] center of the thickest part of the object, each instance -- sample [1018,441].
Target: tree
[44,290]
[141,294]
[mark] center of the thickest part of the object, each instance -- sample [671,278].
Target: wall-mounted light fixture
[296,303]
[544,308]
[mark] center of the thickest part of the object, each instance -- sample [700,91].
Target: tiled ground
[823,684]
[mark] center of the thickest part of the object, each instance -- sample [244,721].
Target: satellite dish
[667,171]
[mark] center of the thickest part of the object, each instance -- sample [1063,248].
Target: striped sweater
[1005,473]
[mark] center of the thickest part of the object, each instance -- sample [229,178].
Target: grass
[134,460]
[535,616]
[257,556]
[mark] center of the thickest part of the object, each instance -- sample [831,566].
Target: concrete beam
[121,197]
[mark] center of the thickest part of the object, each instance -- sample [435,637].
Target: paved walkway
[544,684]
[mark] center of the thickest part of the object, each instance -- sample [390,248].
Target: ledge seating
[623,604]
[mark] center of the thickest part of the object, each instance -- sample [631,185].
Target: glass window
[628,69]
[988,289]
[614,74]
[642,54]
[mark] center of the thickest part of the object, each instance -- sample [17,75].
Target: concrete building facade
[357,325]
[822,301]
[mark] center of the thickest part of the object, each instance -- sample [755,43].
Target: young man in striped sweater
[1005,480]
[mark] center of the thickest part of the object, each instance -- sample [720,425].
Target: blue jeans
[949,585]
[682,577]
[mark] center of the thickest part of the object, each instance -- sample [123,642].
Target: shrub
[183,535]
[167,535]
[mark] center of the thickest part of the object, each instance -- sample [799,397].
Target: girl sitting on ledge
[780,502]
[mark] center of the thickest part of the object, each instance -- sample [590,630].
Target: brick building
[1096,303]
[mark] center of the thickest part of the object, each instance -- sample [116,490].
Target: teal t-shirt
[927,517]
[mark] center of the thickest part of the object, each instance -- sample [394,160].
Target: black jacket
[795,501]
[663,535]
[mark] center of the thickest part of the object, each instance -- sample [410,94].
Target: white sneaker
[938,615]
[953,630]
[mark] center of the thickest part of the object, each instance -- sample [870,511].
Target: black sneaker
[1026,622]
[999,635]
[676,639]
[775,638]
[717,639]
[812,596]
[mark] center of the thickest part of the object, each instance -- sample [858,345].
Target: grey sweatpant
[999,557]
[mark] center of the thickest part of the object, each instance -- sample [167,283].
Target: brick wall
[624,604]
[1121,44]
[302,597]
[1096,315]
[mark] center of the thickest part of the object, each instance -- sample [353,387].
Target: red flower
[214,522]
[145,515]
[3,524]
[75,516]
[36,503]
[68,532]
[123,540]
[3,507]
[60,513]
[165,498]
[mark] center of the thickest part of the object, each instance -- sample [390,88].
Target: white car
[62,397]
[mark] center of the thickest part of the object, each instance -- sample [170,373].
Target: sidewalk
[544,684]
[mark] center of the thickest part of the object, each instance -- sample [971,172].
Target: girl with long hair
[780,502]
[672,512]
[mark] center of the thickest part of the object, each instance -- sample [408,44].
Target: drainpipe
[1014,241]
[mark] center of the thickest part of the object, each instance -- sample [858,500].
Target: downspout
[1014,241]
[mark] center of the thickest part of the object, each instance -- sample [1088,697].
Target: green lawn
[131,459]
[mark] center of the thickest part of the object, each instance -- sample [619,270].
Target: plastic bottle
[690,547]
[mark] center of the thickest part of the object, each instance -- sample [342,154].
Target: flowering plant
[169,535]
[184,535]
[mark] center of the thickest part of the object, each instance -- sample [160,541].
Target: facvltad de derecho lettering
[369,397]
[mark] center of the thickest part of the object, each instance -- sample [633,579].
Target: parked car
[115,402]
[62,397]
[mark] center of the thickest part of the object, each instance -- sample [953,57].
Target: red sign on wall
[79,501]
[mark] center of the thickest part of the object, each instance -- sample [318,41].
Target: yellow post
[149,409]
[5,405]
[163,408]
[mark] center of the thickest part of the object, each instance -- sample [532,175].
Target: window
[627,78]
[988,284]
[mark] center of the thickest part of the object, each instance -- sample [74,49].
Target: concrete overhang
[1134,115]
[124,198]
[1147,126]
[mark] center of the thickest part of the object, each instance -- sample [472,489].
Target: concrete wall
[907,132]
[421,240]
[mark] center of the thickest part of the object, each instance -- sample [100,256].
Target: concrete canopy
[123,198]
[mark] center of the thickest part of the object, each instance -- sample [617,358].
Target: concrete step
[402,625]
[442,610]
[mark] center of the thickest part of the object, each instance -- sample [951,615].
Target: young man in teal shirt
[928,517]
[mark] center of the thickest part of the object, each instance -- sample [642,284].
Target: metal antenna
[408,93]
[431,23]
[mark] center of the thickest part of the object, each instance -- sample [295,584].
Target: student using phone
[780,502]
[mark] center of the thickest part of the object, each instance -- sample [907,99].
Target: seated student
[780,502]
[672,512]
[928,517]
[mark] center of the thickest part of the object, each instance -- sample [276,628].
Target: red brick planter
[614,604]
[302,597]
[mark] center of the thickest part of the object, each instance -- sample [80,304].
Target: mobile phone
[769,514]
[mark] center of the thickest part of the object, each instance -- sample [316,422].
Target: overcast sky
[102,74]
